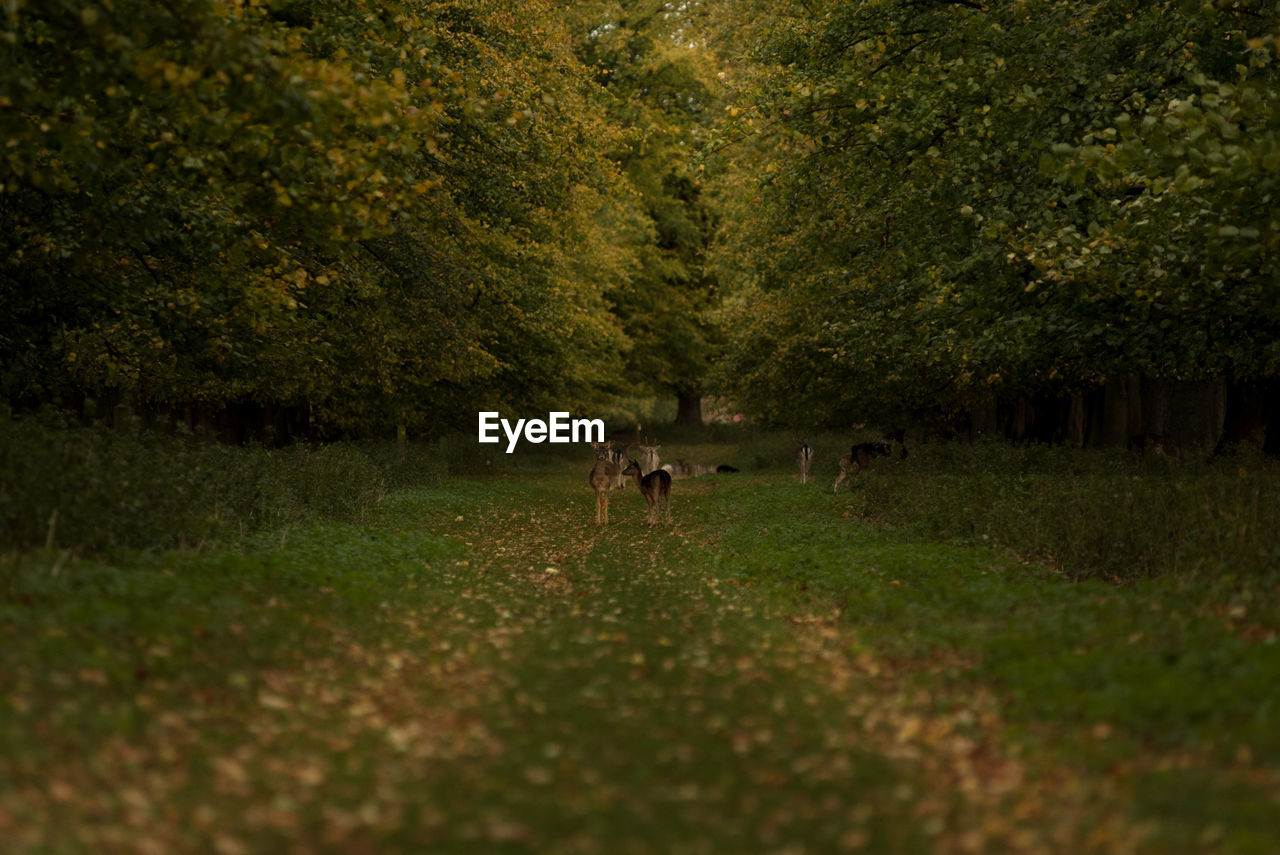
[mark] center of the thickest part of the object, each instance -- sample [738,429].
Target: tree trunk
[984,419]
[1121,412]
[122,418]
[1249,414]
[1199,412]
[1075,420]
[1021,419]
[689,410]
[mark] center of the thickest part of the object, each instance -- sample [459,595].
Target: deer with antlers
[648,457]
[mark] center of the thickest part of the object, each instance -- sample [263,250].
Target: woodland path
[486,670]
[662,706]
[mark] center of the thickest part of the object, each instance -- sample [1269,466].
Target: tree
[927,214]
[646,57]
[382,213]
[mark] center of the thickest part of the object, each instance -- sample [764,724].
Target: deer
[804,457]
[680,469]
[1161,446]
[859,456]
[618,456]
[604,475]
[862,452]
[615,454]
[648,458]
[655,487]
[847,464]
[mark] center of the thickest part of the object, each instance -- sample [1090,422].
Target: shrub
[1089,512]
[94,489]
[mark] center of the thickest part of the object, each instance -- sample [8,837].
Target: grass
[93,490]
[474,666]
[1109,514]
[1167,683]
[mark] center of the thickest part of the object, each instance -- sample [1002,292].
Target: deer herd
[609,473]
[613,468]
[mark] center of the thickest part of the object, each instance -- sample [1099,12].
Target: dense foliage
[932,204]
[660,90]
[384,213]
[396,213]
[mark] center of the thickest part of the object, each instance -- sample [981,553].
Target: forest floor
[481,668]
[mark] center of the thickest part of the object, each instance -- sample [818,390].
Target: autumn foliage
[935,208]
[376,212]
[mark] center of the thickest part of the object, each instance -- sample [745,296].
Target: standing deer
[656,488]
[648,458]
[603,477]
[847,464]
[804,457]
[618,457]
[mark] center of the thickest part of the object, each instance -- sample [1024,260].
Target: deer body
[860,454]
[655,487]
[618,456]
[847,464]
[604,475]
[648,458]
[804,457]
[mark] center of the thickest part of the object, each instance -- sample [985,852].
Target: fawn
[804,457]
[602,479]
[656,487]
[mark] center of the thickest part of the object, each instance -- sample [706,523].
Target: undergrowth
[1090,513]
[94,490]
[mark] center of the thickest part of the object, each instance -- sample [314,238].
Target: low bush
[92,489]
[1111,514]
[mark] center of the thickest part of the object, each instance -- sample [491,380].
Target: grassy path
[485,670]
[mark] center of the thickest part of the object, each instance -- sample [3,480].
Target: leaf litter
[566,688]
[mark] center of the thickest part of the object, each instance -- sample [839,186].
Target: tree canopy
[397,213]
[933,203]
[390,211]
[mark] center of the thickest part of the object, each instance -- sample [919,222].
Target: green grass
[1136,677]
[1169,662]
[1108,514]
[475,666]
[92,490]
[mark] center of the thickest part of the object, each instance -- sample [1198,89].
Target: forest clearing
[479,666]
[929,352]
